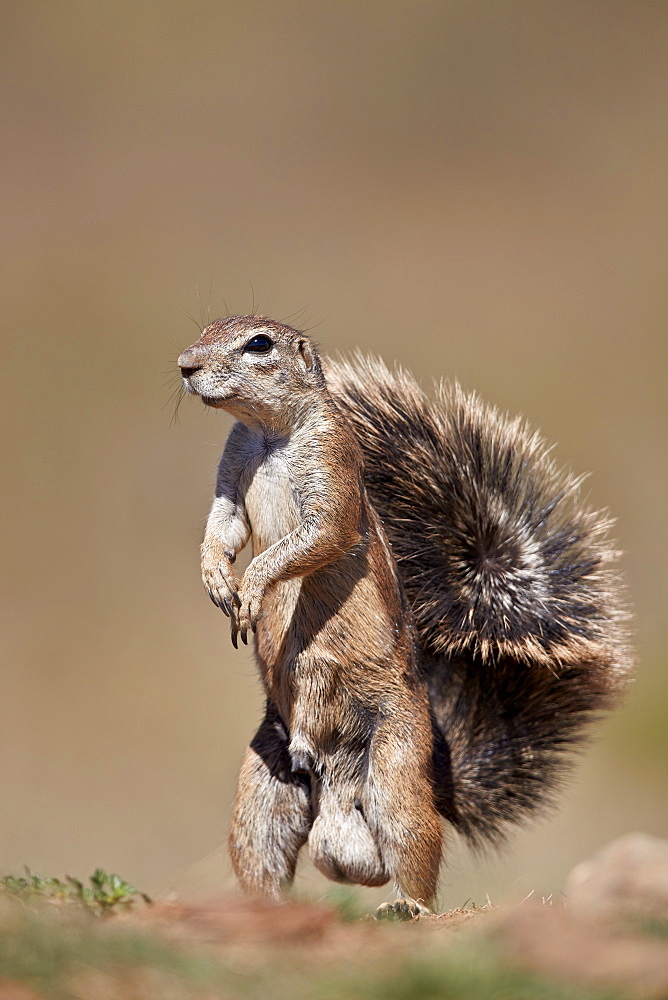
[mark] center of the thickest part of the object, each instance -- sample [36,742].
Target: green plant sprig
[107,893]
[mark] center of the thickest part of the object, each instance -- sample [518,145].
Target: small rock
[626,879]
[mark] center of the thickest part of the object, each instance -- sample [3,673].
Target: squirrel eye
[259,344]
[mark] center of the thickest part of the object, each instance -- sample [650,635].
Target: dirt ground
[604,938]
[238,948]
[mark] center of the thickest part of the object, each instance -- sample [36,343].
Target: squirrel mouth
[211,401]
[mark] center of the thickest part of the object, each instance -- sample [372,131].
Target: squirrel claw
[220,602]
[402,909]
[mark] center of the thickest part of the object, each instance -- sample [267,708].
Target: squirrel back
[518,610]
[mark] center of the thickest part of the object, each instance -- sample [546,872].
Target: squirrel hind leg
[272,813]
[400,807]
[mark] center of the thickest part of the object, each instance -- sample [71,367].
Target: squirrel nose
[188,364]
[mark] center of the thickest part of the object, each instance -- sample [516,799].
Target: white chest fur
[271,498]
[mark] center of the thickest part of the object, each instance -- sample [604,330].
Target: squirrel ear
[306,352]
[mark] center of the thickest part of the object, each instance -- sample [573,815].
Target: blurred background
[472,188]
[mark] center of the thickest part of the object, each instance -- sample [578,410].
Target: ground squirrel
[447,670]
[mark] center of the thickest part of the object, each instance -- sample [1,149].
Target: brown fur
[343,758]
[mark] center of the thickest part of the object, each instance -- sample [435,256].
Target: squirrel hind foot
[403,908]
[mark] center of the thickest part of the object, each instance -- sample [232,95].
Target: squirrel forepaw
[222,587]
[251,595]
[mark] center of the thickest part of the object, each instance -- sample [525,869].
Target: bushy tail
[510,578]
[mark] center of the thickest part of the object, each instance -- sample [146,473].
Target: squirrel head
[258,370]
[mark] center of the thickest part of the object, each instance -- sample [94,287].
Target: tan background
[476,189]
